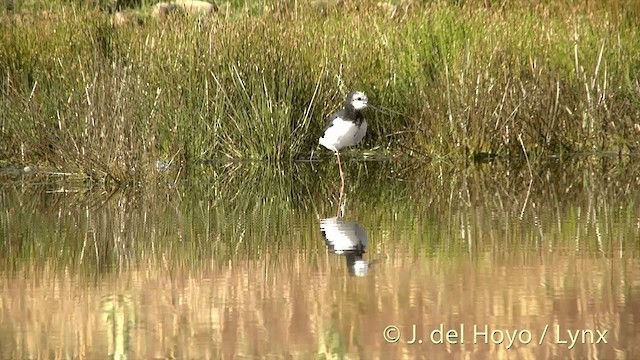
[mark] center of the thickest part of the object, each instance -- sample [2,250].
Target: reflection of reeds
[302,305]
[233,263]
[248,209]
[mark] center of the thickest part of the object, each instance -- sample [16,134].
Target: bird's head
[358,100]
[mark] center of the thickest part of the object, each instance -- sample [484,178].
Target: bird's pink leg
[341,183]
[341,174]
[340,212]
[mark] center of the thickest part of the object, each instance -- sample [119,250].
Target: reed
[81,94]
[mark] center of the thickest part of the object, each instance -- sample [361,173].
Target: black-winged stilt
[348,239]
[346,127]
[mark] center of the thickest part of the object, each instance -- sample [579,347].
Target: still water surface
[428,261]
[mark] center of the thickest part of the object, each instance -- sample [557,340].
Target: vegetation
[80,93]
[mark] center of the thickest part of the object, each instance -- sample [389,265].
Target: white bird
[348,239]
[346,127]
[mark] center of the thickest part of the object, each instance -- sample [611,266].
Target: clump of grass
[80,93]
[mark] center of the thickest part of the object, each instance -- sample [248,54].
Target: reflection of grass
[329,344]
[237,250]
[300,309]
[250,210]
[118,317]
[83,95]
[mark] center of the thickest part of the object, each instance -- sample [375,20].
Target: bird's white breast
[343,236]
[343,133]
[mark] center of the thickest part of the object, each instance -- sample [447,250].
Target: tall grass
[82,94]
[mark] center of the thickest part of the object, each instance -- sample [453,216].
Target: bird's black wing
[335,115]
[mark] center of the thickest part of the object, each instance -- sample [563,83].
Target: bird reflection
[347,239]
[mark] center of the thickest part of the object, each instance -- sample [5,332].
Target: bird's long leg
[340,165]
[341,184]
[341,174]
[341,203]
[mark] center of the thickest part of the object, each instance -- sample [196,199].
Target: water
[477,261]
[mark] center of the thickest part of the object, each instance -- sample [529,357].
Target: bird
[348,239]
[346,127]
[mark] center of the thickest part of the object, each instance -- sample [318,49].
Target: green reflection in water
[228,211]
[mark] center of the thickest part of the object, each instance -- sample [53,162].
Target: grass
[80,94]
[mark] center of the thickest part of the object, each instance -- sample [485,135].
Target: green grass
[81,94]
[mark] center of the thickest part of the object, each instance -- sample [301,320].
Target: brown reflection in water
[302,308]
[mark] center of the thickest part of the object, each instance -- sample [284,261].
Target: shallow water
[246,261]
